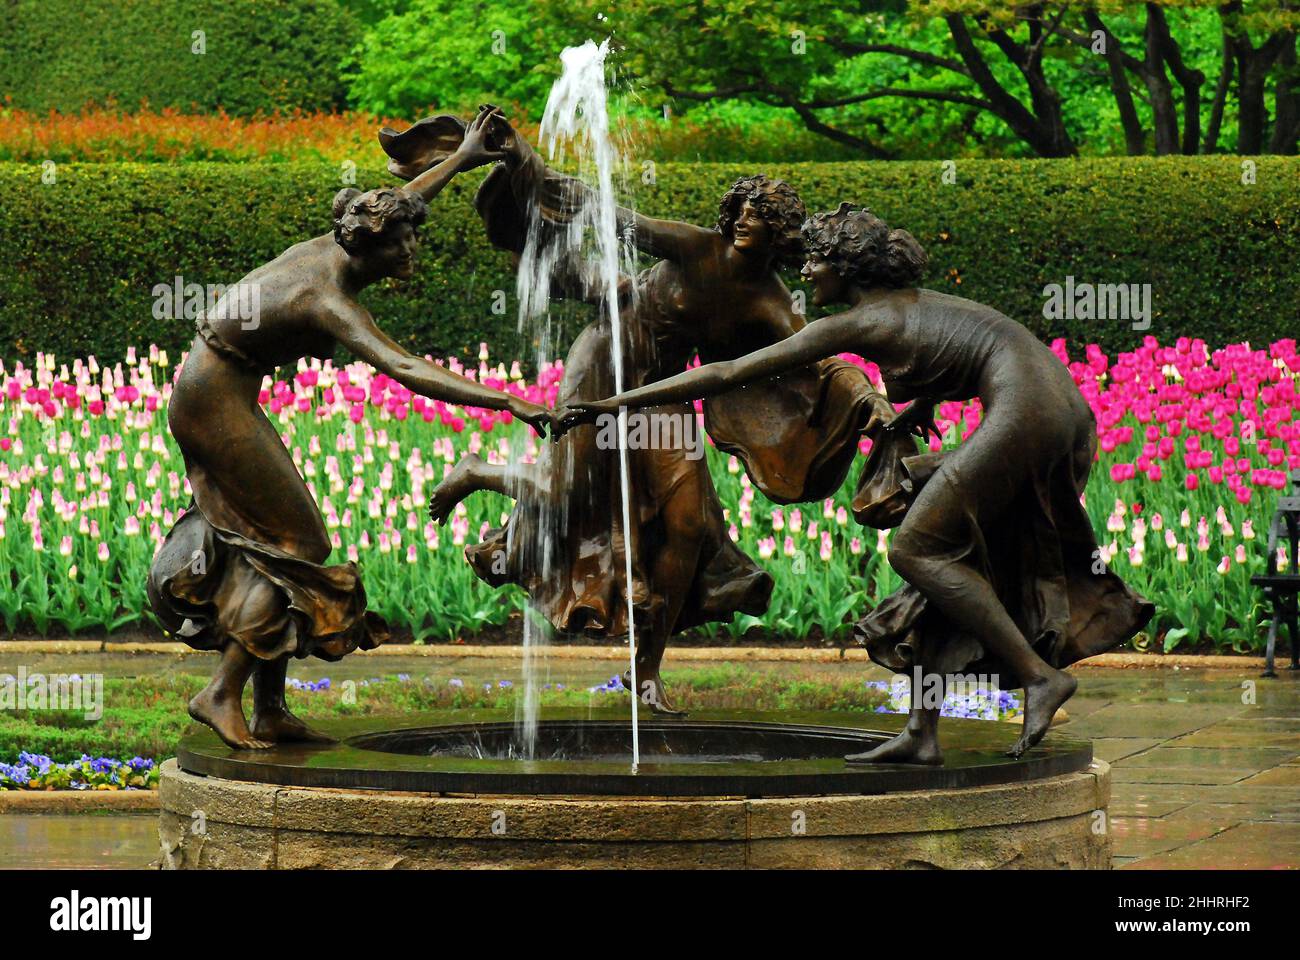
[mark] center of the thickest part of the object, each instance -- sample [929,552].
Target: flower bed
[98,135]
[103,135]
[1194,447]
[35,772]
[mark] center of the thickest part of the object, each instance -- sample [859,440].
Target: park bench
[1282,589]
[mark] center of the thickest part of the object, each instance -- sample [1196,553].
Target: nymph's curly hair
[360,219]
[860,247]
[778,205]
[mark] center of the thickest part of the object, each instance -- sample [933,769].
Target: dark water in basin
[662,741]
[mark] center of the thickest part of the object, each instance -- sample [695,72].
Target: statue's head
[855,247]
[379,226]
[762,216]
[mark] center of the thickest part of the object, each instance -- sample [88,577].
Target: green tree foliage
[510,55]
[940,78]
[450,55]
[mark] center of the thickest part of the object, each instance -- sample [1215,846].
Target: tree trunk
[1286,94]
[1253,66]
[1190,79]
[1164,112]
[1220,98]
[1134,136]
[1048,137]
[1046,101]
[1252,117]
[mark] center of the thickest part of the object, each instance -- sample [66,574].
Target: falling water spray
[576,124]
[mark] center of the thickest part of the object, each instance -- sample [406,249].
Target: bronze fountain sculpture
[243,571]
[999,556]
[711,290]
[1002,572]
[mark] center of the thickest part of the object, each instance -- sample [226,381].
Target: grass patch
[145,716]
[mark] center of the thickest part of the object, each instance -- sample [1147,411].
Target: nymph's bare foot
[651,691]
[281,726]
[455,487]
[1042,699]
[226,717]
[907,747]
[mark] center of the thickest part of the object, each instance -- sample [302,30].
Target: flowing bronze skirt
[241,565]
[1006,505]
[270,602]
[567,546]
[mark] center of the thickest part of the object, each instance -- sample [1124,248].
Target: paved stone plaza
[1200,780]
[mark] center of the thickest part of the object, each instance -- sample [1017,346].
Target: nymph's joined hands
[482,136]
[580,412]
[538,417]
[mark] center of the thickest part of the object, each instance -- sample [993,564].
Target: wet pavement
[77,841]
[1206,763]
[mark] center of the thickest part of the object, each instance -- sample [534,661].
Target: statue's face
[396,251]
[828,286]
[750,231]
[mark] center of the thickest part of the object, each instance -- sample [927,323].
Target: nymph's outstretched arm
[817,340]
[352,326]
[665,239]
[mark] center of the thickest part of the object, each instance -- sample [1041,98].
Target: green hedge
[82,255]
[260,55]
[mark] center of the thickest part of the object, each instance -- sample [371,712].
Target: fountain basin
[588,753]
[713,790]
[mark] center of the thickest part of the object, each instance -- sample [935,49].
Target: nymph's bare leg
[218,704]
[919,741]
[472,474]
[965,597]
[271,717]
[672,574]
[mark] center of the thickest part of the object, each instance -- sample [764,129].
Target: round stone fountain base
[441,796]
[1046,824]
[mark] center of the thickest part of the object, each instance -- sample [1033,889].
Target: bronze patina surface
[245,569]
[714,291]
[1003,574]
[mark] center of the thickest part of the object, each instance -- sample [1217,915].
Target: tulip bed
[1195,446]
